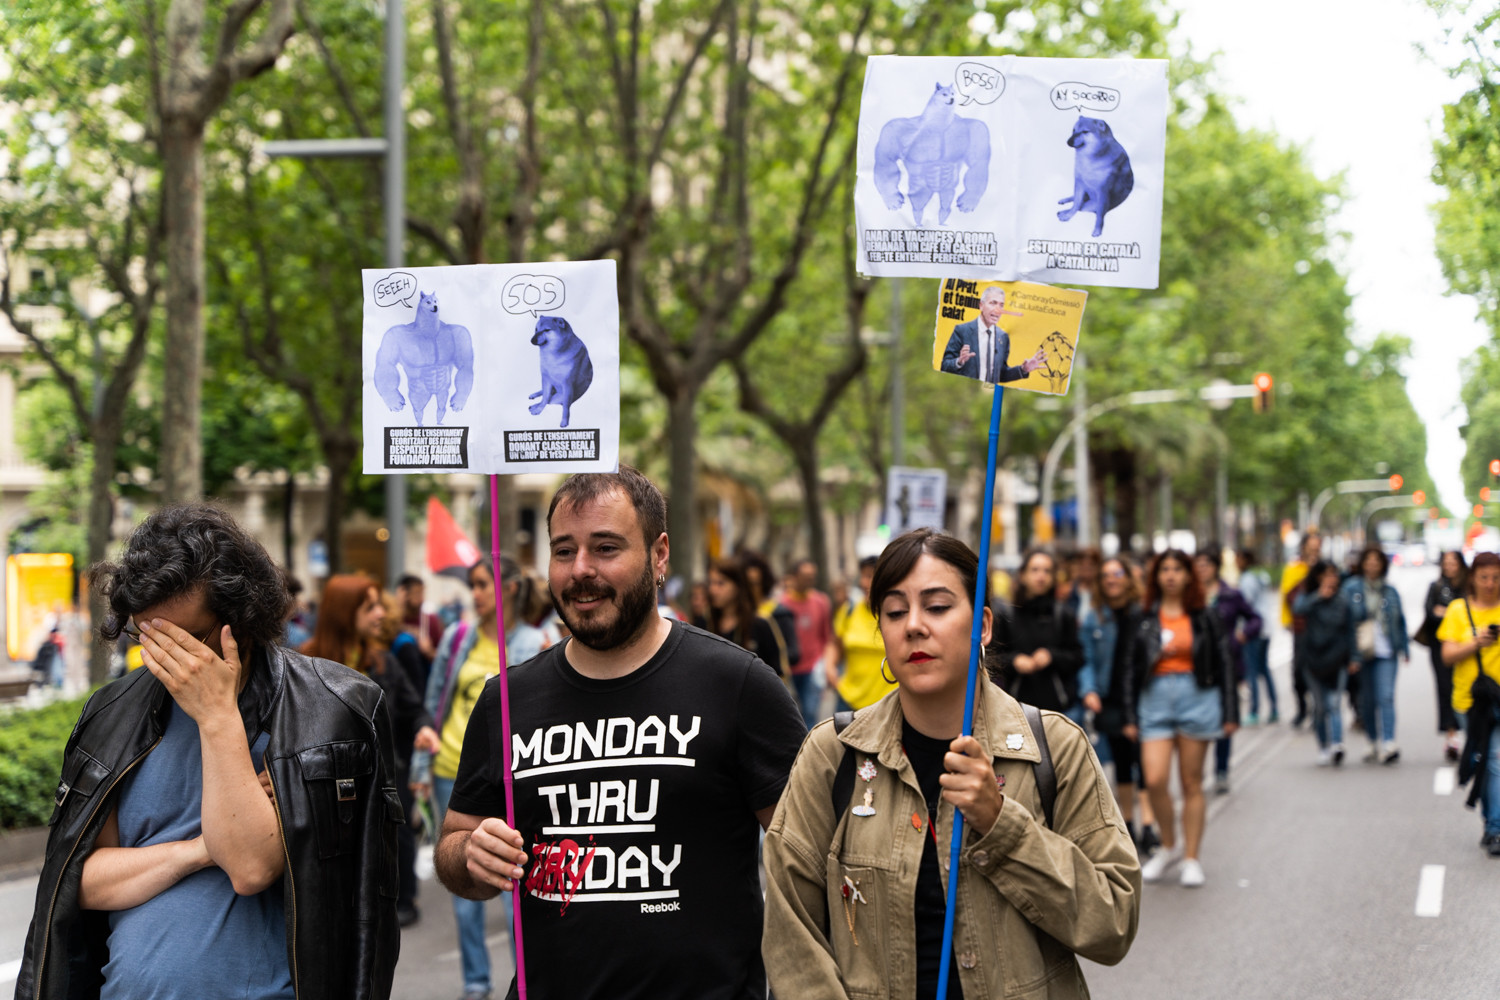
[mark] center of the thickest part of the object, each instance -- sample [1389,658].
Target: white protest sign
[492,368]
[915,498]
[1012,168]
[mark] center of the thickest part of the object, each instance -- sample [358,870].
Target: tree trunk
[339,454]
[181,462]
[101,513]
[806,455]
[682,511]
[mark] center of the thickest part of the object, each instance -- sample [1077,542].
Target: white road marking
[9,971]
[1444,780]
[1430,891]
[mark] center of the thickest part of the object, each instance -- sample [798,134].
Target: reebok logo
[671,907]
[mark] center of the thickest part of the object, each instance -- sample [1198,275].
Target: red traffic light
[1433,513]
[1479,510]
[1495,466]
[1484,493]
[1263,383]
[1419,498]
[1396,482]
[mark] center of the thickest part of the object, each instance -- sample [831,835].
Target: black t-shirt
[926,756]
[637,797]
[760,639]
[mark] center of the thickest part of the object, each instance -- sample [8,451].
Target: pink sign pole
[510,793]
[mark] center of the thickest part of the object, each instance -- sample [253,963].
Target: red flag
[449,550]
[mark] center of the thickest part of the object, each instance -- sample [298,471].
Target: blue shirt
[197,938]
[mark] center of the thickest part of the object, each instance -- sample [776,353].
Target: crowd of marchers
[623,758]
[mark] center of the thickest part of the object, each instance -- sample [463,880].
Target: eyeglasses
[131,629]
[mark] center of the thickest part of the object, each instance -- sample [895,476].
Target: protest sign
[498,368]
[1017,333]
[1009,167]
[915,498]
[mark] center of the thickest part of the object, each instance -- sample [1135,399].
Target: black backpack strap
[843,780]
[1046,777]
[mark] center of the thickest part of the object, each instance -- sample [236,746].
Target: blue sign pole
[976,640]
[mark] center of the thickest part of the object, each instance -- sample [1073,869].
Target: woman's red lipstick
[918,657]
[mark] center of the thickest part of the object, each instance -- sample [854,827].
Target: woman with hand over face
[855,902]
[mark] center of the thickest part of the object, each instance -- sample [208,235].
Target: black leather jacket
[330,760]
[1213,667]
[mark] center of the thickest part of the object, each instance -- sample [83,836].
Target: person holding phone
[1469,633]
[1328,647]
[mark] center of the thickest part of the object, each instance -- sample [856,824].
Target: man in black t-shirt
[643,752]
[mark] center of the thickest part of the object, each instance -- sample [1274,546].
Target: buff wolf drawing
[938,148]
[1102,177]
[437,357]
[567,371]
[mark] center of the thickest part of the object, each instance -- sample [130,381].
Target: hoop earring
[888,680]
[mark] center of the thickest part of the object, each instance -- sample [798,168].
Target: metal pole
[898,387]
[395,230]
[1223,529]
[1081,455]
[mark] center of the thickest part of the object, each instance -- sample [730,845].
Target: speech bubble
[533,293]
[978,83]
[1084,97]
[398,286]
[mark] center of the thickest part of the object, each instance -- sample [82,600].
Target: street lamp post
[1145,397]
[1347,486]
[1377,505]
[392,149]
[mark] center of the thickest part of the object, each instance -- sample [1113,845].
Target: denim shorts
[1174,705]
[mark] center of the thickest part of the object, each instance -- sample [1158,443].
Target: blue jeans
[1489,800]
[474,954]
[1327,709]
[1377,698]
[809,688]
[1258,667]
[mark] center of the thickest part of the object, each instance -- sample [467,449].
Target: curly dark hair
[187,546]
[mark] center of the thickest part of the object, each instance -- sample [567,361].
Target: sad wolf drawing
[438,358]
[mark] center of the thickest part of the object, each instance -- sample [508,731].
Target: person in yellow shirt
[1309,552]
[1469,633]
[859,650]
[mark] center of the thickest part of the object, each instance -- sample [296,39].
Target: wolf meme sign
[492,368]
[1010,168]
[1012,333]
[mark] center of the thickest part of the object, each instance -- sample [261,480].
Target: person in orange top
[1180,696]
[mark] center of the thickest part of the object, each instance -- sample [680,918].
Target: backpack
[1046,777]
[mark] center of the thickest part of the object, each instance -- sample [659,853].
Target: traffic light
[1495,466]
[1479,510]
[1433,513]
[1262,400]
[1418,498]
[1484,493]
[1396,482]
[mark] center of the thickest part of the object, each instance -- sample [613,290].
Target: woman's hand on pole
[969,784]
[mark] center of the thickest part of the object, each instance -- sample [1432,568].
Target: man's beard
[632,611]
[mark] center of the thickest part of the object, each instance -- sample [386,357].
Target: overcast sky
[1343,79]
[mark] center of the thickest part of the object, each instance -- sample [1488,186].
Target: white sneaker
[1372,756]
[1325,756]
[1192,874]
[1389,752]
[1338,754]
[1160,863]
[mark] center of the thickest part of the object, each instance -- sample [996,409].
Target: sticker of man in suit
[980,349]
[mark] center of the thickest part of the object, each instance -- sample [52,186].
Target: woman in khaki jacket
[855,902]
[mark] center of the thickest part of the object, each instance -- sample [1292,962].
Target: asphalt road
[1315,880]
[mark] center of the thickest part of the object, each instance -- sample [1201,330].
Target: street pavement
[1364,881]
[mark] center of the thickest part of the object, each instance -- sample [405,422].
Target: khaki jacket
[1029,899]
